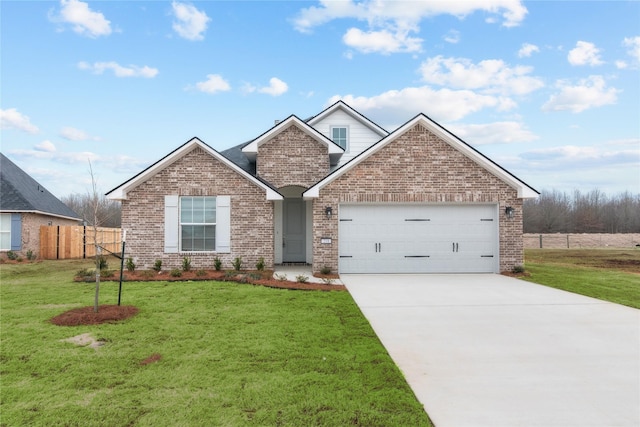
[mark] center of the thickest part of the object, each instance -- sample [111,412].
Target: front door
[294,231]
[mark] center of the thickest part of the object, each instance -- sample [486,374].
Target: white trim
[251,149]
[340,105]
[73,218]
[346,138]
[524,191]
[120,192]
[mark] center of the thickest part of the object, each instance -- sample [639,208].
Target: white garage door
[418,239]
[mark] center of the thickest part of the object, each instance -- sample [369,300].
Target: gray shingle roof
[21,193]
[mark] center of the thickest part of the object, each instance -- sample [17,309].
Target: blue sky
[548,89]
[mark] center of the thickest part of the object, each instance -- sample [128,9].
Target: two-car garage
[418,238]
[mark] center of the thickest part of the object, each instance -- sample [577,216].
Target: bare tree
[108,213]
[592,212]
[95,205]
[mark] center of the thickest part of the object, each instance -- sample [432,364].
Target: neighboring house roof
[21,193]
[251,149]
[340,105]
[524,190]
[120,192]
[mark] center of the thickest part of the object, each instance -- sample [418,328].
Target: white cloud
[392,108]
[12,119]
[83,20]
[384,41]
[489,76]
[453,37]
[580,157]
[190,23]
[46,146]
[621,65]
[492,133]
[119,70]
[390,22]
[527,50]
[61,157]
[73,134]
[633,43]
[584,53]
[214,83]
[588,93]
[276,87]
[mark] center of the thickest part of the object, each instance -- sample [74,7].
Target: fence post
[567,241]
[541,241]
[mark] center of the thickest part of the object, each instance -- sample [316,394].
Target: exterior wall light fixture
[509,212]
[328,211]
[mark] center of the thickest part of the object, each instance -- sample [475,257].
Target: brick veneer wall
[198,174]
[292,158]
[418,167]
[31,223]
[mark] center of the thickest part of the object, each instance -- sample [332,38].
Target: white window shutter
[171,224]
[223,224]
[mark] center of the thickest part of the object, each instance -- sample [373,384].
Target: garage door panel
[417,238]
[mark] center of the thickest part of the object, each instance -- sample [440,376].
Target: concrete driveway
[490,350]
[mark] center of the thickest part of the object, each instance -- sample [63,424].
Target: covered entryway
[294,230]
[292,227]
[418,238]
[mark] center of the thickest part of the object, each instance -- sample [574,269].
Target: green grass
[232,355]
[607,274]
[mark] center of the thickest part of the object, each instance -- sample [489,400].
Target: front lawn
[607,274]
[196,354]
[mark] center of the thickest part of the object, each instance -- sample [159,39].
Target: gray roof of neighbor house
[21,193]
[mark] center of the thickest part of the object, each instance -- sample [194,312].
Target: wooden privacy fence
[77,241]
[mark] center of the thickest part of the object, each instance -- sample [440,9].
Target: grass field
[229,355]
[608,274]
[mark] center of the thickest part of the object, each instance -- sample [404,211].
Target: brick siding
[31,229]
[418,167]
[198,174]
[292,158]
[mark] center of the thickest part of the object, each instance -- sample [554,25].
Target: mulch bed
[86,315]
[115,313]
[266,279]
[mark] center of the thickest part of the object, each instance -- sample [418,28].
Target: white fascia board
[341,105]
[120,193]
[73,218]
[524,191]
[251,149]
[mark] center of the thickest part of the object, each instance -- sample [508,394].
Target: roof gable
[120,192]
[251,149]
[524,190]
[19,192]
[340,105]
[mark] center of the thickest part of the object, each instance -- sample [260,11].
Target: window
[339,136]
[5,231]
[197,224]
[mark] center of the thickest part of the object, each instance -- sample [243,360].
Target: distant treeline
[106,211]
[578,212]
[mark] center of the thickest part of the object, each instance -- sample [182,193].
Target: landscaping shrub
[217,263]
[131,266]
[186,264]
[260,264]
[237,264]
[176,272]
[157,266]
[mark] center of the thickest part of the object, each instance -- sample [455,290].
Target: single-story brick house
[25,205]
[335,190]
